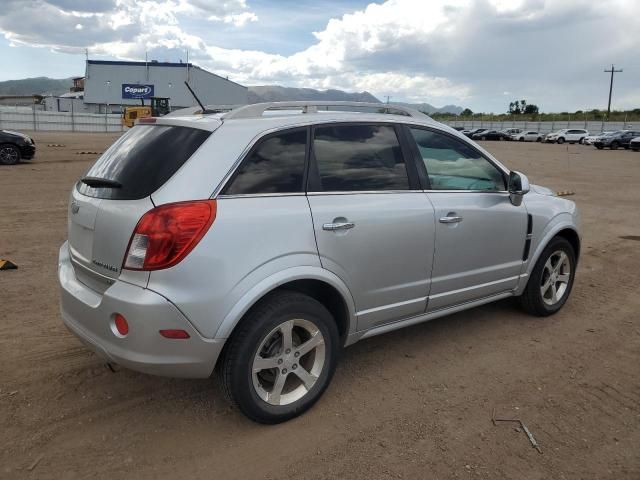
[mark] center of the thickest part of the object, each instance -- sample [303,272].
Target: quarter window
[359,158]
[276,165]
[454,165]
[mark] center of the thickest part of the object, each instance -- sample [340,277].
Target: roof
[141,64]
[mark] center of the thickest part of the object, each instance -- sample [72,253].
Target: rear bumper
[89,315]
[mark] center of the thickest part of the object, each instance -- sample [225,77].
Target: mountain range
[260,93]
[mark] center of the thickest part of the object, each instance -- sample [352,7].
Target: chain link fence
[30,118]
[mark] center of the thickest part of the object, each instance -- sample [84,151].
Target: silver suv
[263,240]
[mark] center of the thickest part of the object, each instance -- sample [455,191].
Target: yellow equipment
[159,106]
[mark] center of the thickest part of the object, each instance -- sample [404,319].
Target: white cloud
[474,52]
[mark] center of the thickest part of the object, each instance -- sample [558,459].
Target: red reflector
[174,334]
[166,234]
[147,120]
[121,324]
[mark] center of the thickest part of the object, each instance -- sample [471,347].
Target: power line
[612,71]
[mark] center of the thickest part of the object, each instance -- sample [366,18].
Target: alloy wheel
[556,275]
[8,155]
[288,362]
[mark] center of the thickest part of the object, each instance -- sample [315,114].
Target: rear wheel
[9,154]
[551,280]
[281,358]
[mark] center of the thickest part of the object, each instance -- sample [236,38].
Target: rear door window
[359,158]
[142,160]
[275,165]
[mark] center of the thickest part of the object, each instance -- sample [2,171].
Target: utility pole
[612,71]
[388,97]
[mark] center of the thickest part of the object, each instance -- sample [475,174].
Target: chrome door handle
[332,227]
[450,219]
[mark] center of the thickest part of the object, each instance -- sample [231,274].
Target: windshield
[141,161]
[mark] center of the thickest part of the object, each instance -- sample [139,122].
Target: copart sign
[136,91]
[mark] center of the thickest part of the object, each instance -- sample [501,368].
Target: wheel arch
[316,282]
[561,227]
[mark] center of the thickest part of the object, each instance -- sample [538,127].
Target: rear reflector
[174,334]
[122,326]
[166,234]
[147,120]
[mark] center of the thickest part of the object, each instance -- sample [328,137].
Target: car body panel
[482,254]
[396,231]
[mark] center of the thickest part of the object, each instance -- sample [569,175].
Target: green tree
[466,112]
[531,109]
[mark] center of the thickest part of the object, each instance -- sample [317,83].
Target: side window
[276,165]
[454,165]
[359,158]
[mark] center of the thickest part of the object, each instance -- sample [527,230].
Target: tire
[533,300]
[9,154]
[599,147]
[581,141]
[561,140]
[261,332]
[614,145]
[483,138]
[539,139]
[521,139]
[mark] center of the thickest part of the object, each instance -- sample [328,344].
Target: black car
[473,132]
[15,146]
[490,135]
[613,140]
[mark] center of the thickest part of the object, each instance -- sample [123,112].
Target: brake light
[166,234]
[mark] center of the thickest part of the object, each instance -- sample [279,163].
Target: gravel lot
[415,403]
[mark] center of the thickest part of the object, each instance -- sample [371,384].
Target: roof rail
[258,109]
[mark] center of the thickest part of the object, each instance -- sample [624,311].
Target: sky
[480,54]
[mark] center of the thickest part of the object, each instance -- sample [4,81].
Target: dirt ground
[416,403]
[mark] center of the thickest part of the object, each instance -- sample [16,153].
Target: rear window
[142,160]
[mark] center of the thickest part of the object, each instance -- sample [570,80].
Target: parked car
[634,144]
[529,136]
[308,233]
[490,135]
[15,146]
[510,132]
[471,133]
[589,139]
[571,135]
[620,138]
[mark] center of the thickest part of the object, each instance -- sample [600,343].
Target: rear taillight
[166,234]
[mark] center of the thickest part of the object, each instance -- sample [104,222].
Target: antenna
[204,110]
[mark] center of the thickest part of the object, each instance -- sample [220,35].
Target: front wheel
[561,140]
[521,139]
[281,358]
[614,145]
[551,280]
[9,154]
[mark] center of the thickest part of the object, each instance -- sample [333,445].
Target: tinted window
[454,165]
[276,165]
[359,158]
[142,160]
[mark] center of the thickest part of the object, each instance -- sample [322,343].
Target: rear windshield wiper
[97,182]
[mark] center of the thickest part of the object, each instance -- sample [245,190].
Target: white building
[110,84]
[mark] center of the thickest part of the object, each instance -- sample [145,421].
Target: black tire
[581,142]
[236,370]
[483,138]
[9,154]
[539,139]
[521,139]
[599,147]
[531,299]
[614,145]
[560,140]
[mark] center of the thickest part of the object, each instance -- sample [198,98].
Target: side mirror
[518,187]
